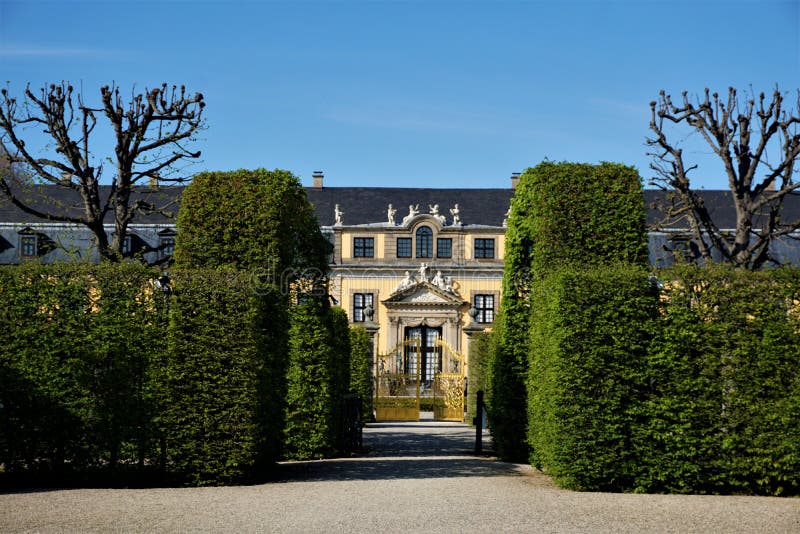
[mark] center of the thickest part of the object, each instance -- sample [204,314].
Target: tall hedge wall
[361,368]
[723,411]
[101,372]
[589,336]
[77,343]
[690,388]
[561,214]
[250,219]
[478,374]
[317,378]
[214,376]
[581,214]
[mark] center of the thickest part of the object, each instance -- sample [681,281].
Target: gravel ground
[417,477]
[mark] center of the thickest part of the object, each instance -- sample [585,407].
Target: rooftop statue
[390,214]
[435,212]
[413,211]
[337,214]
[456,213]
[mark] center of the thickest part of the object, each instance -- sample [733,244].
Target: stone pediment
[424,293]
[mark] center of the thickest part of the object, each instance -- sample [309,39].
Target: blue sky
[437,94]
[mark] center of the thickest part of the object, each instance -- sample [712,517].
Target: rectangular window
[363,247]
[27,246]
[360,303]
[484,248]
[403,247]
[167,246]
[444,247]
[484,305]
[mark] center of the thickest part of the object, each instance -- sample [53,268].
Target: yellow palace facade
[421,269]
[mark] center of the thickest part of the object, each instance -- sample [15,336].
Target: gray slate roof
[364,205]
[718,203]
[60,200]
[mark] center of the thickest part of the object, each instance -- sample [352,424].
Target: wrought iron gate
[448,387]
[397,383]
[401,393]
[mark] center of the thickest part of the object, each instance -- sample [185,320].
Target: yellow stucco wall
[500,246]
[347,245]
[380,246]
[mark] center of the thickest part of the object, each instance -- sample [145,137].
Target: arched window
[424,242]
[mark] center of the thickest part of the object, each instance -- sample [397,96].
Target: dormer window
[167,246]
[126,245]
[28,246]
[33,244]
[166,243]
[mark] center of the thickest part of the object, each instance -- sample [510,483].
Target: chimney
[318,177]
[514,180]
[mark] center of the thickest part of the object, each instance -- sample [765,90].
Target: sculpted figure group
[413,211]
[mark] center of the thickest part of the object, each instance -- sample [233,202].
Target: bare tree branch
[743,134]
[150,130]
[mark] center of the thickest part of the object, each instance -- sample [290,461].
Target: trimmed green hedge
[581,214]
[250,219]
[213,379]
[361,369]
[723,412]
[104,379]
[693,388]
[77,344]
[478,373]
[589,334]
[317,379]
[561,214]
[102,373]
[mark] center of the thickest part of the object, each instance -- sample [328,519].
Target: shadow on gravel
[405,450]
[425,439]
[393,469]
[397,450]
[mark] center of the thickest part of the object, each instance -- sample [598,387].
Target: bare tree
[151,131]
[758,145]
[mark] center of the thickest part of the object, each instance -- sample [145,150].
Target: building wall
[381,275]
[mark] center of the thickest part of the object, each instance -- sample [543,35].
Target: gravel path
[418,477]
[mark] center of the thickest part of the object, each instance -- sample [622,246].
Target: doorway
[429,357]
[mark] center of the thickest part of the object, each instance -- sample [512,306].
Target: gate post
[478,422]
